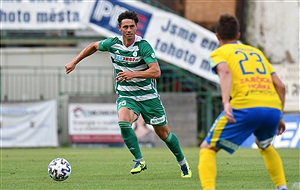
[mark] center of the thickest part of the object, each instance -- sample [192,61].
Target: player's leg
[126,117]
[272,159]
[222,135]
[207,166]
[173,144]
[154,114]
[274,166]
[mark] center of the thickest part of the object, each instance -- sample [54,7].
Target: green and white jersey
[133,58]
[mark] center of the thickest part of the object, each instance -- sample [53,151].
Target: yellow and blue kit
[256,105]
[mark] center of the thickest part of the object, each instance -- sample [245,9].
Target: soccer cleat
[138,167]
[186,171]
[283,187]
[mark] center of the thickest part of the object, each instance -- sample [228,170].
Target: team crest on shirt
[134,54]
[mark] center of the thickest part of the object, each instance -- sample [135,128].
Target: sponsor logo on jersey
[105,14]
[117,57]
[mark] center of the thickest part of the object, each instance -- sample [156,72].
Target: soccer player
[136,69]
[253,99]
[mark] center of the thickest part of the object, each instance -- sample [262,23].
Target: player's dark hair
[227,27]
[128,15]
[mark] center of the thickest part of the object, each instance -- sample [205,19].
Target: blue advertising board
[105,14]
[289,139]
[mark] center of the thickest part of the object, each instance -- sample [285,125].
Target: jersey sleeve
[147,52]
[216,57]
[105,44]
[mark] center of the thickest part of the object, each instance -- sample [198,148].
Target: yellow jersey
[252,84]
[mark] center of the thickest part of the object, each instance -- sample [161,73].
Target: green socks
[132,144]
[130,139]
[173,143]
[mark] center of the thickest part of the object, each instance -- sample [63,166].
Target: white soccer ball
[59,169]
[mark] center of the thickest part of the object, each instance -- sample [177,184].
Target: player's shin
[207,168]
[274,165]
[173,144]
[130,139]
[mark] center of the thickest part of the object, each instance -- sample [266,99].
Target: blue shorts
[262,122]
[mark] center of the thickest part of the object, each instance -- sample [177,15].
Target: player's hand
[228,113]
[70,67]
[124,76]
[281,127]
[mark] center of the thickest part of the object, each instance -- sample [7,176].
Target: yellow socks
[207,168]
[274,165]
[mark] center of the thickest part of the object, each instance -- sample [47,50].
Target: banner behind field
[29,124]
[176,40]
[290,75]
[94,123]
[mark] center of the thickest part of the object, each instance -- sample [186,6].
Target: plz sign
[290,138]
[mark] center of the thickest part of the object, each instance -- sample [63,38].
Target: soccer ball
[59,169]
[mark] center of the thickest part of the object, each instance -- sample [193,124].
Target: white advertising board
[29,124]
[94,123]
[290,76]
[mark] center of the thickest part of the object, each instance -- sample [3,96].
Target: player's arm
[153,72]
[87,51]
[280,88]
[225,84]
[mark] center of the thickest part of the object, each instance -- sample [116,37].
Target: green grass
[108,168]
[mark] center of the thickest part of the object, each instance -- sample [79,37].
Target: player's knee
[162,132]
[204,144]
[124,126]
[263,144]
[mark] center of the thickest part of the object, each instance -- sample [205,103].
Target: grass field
[108,168]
